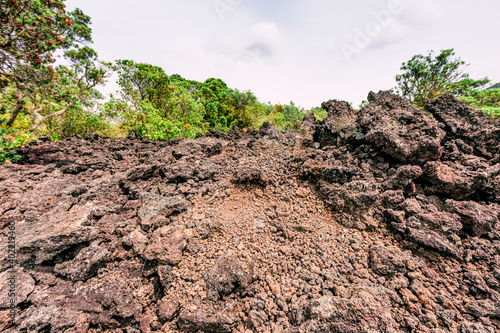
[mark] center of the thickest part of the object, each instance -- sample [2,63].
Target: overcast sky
[295,50]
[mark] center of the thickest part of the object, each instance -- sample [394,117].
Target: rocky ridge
[382,220]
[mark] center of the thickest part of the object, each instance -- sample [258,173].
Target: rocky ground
[382,220]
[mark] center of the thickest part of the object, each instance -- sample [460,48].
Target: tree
[214,95]
[72,88]
[242,107]
[154,105]
[428,77]
[143,82]
[30,30]
[293,116]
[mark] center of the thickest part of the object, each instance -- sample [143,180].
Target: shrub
[9,141]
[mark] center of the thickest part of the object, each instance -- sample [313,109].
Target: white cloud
[261,42]
[289,49]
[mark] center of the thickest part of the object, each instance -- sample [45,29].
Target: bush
[9,141]
[77,121]
[156,125]
[486,100]
[429,76]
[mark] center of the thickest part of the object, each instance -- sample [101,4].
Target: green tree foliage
[242,108]
[37,97]
[428,77]
[143,82]
[30,30]
[59,104]
[293,116]
[8,143]
[71,91]
[487,100]
[284,116]
[162,107]
[154,105]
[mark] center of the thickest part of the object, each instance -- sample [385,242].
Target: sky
[305,51]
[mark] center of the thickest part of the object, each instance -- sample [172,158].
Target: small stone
[198,216]
[228,275]
[302,192]
[167,246]
[168,308]
[257,318]
[165,275]
[258,224]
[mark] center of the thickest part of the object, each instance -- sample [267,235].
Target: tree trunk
[39,119]
[17,110]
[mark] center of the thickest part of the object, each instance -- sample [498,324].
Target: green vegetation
[428,77]
[39,98]
[162,107]
[8,143]
[487,100]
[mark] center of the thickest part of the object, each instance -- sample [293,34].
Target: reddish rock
[400,130]
[54,233]
[17,282]
[476,218]
[455,180]
[472,126]
[168,308]
[365,310]
[403,177]
[167,245]
[156,209]
[379,220]
[248,175]
[197,320]
[85,264]
[227,276]
[389,260]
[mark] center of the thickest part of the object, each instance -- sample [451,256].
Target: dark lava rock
[268,131]
[309,127]
[400,130]
[379,220]
[227,276]
[476,219]
[249,175]
[389,260]
[340,123]
[15,281]
[156,209]
[453,180]
[85,264]
[472,126]
[201,321]
[54,233]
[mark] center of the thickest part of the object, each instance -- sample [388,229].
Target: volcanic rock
[378,220]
